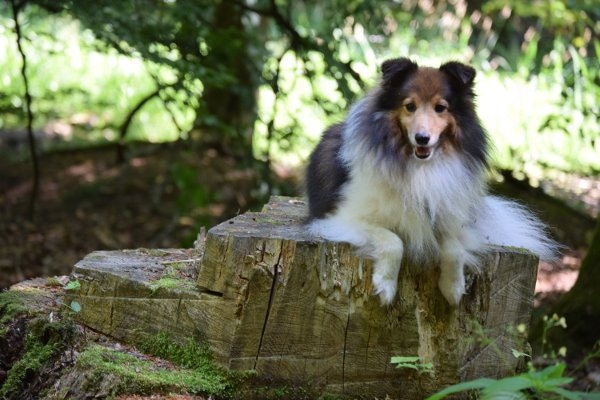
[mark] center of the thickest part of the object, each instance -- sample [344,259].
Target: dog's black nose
[422,139]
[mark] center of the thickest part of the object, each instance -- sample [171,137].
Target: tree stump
[300,310]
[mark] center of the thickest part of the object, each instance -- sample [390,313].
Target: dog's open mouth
[423,152]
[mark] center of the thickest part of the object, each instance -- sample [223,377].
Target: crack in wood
[270,303]
[228,240]
[178,312]
[346,339]
[211,292]
[112,306]
[344,354]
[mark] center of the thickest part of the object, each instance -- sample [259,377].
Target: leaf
[75,306]
[566,394]
[519,354]
[407,365]
[513,384]
[73,285]
[412,362]
[475,384]
[402,359]
[505,396]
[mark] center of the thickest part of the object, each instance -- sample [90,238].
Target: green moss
[140,375]
[173,268]
[169,282]
[174,276]
[32,361]
[43,341]
[191,355]
[11,304]
[53,281]
[282,392]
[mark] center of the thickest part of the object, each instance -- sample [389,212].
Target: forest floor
[163,194]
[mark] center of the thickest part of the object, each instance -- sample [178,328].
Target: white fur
[432,211]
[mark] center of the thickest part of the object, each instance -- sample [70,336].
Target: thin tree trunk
[32,144]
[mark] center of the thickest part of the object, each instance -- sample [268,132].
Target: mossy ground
[136,373]
[29,339]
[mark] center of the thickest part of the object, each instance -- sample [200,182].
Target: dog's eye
[440,108]
[410,107]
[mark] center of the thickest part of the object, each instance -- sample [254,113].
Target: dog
[405,176]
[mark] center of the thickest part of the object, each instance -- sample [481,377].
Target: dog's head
[427,104]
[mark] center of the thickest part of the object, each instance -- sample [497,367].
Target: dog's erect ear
[461,72]
[395,71]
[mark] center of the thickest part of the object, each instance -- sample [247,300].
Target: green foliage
[549,45]
[75,306]
[573,127]
[545,383]
[73,285]
[547,350]
[262,80]
[412,362]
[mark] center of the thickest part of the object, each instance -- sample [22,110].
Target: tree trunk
[300,310]
[226,117]
[581,305]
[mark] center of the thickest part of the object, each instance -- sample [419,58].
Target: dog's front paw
[385,288]
[452,290]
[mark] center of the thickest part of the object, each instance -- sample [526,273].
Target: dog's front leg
[380,244]
[387,250]
[452,265]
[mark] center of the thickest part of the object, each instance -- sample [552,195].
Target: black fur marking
[325,174]
[395,72]
[472,137]
[464,74]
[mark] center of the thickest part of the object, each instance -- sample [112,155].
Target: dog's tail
[507,223]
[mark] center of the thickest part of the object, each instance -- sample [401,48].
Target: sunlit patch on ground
[555,279]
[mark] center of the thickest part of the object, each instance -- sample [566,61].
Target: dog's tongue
[422,151]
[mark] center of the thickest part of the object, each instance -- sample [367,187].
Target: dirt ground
[88,202]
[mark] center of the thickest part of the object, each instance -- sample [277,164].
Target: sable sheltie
[404,176]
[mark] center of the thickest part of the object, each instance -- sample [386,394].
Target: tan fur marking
[418,114]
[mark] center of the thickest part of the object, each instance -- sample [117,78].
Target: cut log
[300,310]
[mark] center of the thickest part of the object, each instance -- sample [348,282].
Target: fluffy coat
[404,176]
